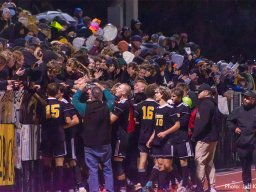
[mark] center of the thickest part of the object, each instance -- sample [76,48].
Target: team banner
[18,107]
[17,101]
[27,143]
[6,107]
[30,142]
[223,105]
[7,154]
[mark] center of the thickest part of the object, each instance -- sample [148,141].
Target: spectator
[206,135]
[136,28]
[96,133]
[243,123]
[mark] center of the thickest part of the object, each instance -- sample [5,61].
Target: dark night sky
[221,27]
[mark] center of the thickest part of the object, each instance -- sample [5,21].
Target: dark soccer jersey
[183,112]
[52,126]
[165,118]
[144,114]
[121,109]
[70,111]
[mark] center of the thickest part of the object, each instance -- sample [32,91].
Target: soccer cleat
[82,189]
[123,189]
[182,189]
[247,187]
[137,187]
[212,190]
[149,184]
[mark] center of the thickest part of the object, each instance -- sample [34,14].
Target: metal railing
[19,109]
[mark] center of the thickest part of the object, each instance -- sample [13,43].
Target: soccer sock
[185,174]
[163,179]
[58,178]
[120,184]
[142,176]
[68,179]
[172,178]
[154,174]
[78,176]
[47,177]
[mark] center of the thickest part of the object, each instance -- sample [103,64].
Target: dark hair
[52,89]
[150,90]
[82,58]
[133,65]
[178,92]
[2,60]
[183,86]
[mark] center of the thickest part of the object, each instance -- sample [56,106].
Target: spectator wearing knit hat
[136,42]
[136,27]
[5,23]
[183,41]
[123,46]
[124,34]
[78,15]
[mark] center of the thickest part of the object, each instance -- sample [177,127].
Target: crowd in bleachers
[36,55]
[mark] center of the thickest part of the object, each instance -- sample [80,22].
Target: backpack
[191,122]
[131,121]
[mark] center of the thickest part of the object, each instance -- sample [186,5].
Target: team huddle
[153,132]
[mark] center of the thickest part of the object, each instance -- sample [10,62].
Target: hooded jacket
[207,121]
[245,119]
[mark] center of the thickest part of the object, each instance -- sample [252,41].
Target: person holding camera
[96,132]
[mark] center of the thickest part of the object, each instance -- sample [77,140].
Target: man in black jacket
[242,121]
[96,133]
[206,136]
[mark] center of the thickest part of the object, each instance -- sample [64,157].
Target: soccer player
[181,144]
[166,123]
[53,138]
[72,171]
[120,118]
[144,114]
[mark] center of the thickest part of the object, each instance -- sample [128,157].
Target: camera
[15,87]
[90,85]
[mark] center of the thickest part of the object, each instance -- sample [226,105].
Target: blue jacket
[82,107]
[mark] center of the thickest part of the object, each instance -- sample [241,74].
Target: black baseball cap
[249,93]
[204,87]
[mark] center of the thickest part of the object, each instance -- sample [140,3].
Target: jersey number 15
[52,111]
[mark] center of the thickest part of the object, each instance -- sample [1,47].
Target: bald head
[124,90]
[140,86]
[97,93]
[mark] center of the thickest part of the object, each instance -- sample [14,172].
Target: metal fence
[226,156]
[20,163]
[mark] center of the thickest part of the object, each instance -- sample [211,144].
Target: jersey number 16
[148,112]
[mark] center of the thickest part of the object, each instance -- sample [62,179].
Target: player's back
[52,126]
[145,113]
